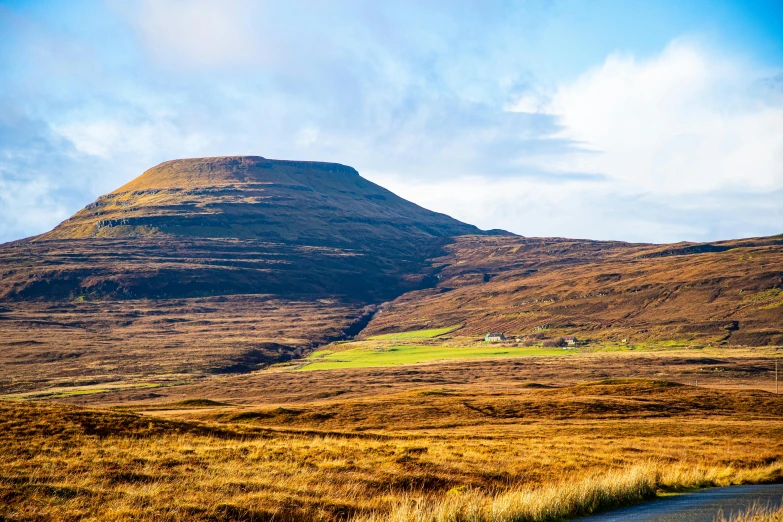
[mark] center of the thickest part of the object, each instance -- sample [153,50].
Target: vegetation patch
[199,403]
[61,393]
[415,334]
[367,357]
[755,513]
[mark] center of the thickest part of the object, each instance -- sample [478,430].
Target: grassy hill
[728,292]
[209,265]
[222,226]
[154,351]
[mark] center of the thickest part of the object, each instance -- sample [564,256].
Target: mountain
[209,265]
[222,226]
[250,197]
[217,265]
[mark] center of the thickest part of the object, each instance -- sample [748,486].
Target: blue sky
[644,121]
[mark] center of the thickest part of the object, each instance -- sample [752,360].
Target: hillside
[220,226]
[728,292]
[220,265]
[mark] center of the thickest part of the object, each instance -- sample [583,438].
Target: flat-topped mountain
[234,225]
[250,197]
[211,264]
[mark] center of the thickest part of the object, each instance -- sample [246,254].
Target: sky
[647,121]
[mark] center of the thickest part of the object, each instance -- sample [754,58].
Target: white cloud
[308,136]
[533,207]
[94,138]
[197,33]
[686,121]
[690,144]
[16,200]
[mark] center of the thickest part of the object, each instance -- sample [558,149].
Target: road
[701,506]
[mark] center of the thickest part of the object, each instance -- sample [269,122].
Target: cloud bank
[689,145]
[448,105]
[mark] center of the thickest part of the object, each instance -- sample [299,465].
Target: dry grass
[509,457]
[240,262]
[715,368]
[601,290]
[566,499]
[755,514]
[164,341]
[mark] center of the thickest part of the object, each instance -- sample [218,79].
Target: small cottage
[570,340]
[494,337]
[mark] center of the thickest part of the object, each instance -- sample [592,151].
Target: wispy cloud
[688,144]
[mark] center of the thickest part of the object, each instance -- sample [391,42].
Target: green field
[365,357]
[416,334]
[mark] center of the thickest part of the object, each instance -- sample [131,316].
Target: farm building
[570,340]
[494,337]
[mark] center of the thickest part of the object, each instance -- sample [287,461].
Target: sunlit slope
[728,292]
[250,197]
[210,265]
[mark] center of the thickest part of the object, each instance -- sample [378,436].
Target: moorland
[470,441]
[250,339]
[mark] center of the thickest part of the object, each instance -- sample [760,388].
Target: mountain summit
[250,197]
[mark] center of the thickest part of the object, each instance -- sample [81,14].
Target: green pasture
[367,356]
[416,334]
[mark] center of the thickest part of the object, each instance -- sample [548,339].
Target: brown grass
[724,293]
[558,501]
[234,263]
[160,341]
[471,454]
[742,369]
[755,514]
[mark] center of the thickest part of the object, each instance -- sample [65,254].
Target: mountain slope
[255,198]
[728,292]
[209,265]
[228,264]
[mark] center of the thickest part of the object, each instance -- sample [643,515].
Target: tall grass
[565,499]
[756,513]
[441,461]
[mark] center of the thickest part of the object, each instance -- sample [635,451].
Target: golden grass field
[756,513]
[147,343]
[167,354]
[539,438]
